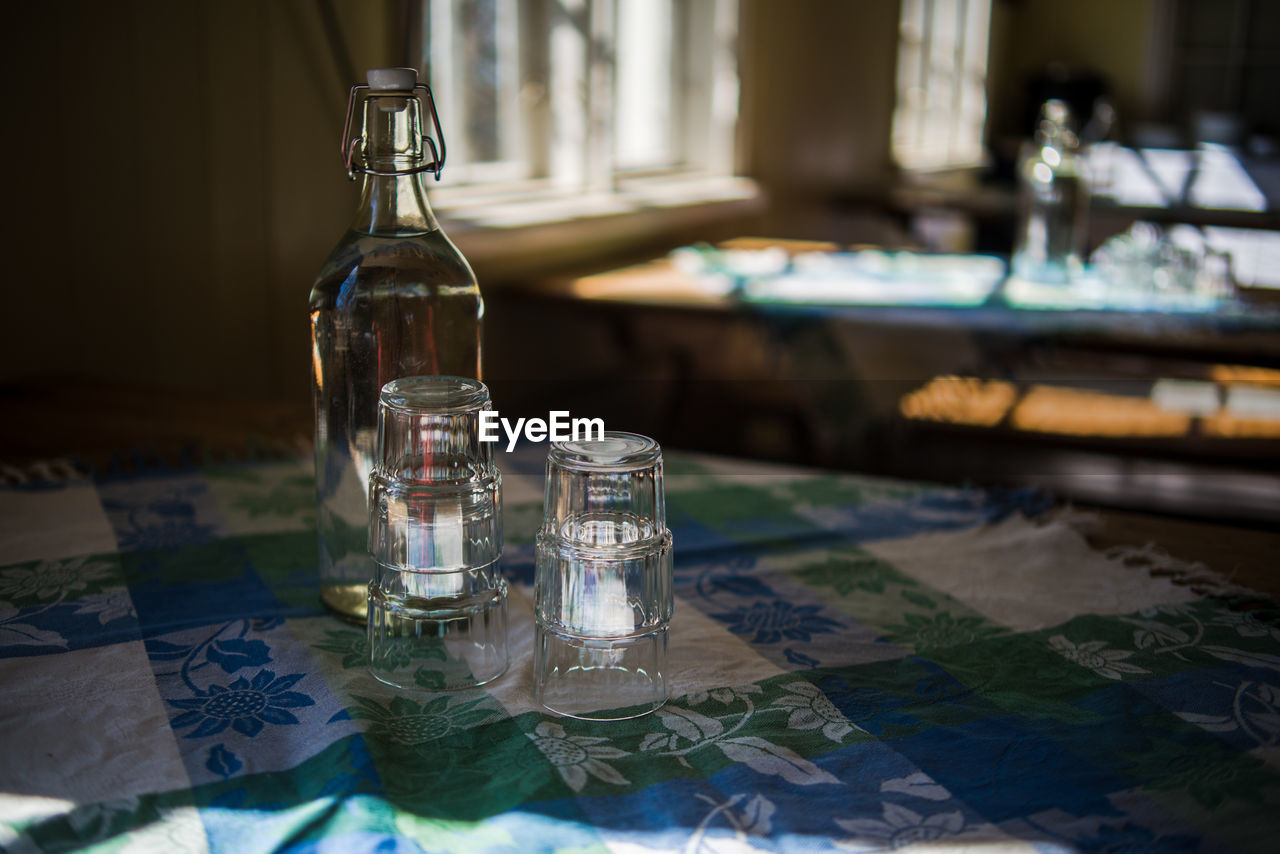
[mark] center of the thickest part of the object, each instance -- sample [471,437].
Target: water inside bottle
[383,307]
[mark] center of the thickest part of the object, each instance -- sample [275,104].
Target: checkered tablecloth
[857,665]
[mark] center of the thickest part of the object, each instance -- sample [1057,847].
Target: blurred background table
[832,384]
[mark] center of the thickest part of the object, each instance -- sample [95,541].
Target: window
[941,89]
[470,55]
[579,99]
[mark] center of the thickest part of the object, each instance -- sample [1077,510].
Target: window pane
[577,93]
[642,111]
[477,37]
[473,61]
[942,61]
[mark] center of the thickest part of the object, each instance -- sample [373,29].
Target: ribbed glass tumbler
[438,602]
[603,587]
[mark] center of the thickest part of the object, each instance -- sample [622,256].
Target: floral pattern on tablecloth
[927,666]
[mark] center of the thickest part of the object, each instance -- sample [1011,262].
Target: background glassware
[437,606]
[603,586]
[1164,266]
[1053,202]
[394,299]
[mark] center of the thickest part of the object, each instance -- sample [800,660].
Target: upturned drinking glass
[603,586]
[437,605]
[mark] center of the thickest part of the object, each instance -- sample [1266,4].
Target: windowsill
[530,229]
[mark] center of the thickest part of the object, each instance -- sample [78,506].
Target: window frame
[512,226]
[921,108]
[558,113]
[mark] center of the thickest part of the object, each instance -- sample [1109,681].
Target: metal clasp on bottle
[351,148]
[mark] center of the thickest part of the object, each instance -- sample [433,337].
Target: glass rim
[434,395]
[617,451]
[661,543]
[400,487]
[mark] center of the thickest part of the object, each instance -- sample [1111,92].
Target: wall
[1119,38]
[817,105]
[174,185]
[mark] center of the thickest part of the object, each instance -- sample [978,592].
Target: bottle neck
[392,141]
[394,205]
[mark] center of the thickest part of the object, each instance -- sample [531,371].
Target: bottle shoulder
[363,261]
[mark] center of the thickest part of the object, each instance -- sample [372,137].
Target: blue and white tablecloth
[858,665]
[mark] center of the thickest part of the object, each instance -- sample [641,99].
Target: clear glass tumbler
[437,617]
[603,587]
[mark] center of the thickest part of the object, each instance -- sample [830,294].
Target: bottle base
[348,601]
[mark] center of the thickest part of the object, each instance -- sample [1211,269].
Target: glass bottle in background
[1053,202]
[1100,147]
[394,299]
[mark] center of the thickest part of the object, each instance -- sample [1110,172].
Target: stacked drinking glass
[603,587]
[438,602]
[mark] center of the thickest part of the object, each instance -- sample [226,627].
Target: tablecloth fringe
[147,461]
[62,470]
[1194,574]
[1157,562]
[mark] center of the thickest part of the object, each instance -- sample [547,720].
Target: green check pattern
[858,665]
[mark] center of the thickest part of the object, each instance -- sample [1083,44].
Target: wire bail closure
[351,148]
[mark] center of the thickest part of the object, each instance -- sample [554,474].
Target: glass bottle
[1053,202]
[394,299]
